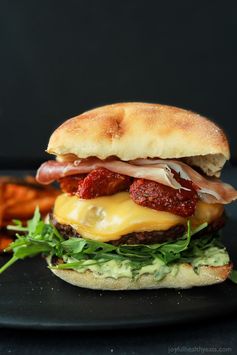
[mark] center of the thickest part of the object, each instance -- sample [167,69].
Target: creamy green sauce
[212,256]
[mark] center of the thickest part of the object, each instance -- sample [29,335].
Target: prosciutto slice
[209,190]
[53,170]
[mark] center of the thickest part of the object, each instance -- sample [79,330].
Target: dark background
[60,58]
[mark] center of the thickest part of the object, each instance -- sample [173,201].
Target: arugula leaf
[8,263]
[74,245]
[38,237]
[76,264]
[17,227]
[34,223]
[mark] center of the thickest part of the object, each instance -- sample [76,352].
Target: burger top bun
[140,130]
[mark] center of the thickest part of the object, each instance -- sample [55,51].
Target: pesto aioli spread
[212,256]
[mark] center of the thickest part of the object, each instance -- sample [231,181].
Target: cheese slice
[109,217]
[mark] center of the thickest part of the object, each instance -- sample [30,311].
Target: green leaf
[8,264]
[93,246]
[39,237]
[30,250]
[34,222]
[74,245]
[76,264]
[17,222]
[199,228]
[17,228]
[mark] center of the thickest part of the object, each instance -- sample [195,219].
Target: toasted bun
[185,278]
[140,130]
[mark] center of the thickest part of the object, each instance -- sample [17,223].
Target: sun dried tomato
[99,182]
[164,198]
[71,184]
[103,182]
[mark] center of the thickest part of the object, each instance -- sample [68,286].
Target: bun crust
[141,130]
[185,278]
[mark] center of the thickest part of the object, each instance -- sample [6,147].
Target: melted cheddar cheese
[109,217]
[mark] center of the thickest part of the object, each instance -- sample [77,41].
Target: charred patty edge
[146,237]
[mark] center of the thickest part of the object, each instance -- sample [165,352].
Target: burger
[142,201]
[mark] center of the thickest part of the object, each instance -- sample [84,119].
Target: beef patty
[146,237]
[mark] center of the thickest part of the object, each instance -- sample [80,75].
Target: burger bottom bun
[185,278]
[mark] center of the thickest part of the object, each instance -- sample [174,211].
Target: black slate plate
[32,297]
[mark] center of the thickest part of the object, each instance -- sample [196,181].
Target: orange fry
[20,197]
[5,240]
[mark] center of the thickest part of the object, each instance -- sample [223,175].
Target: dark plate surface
[32,297]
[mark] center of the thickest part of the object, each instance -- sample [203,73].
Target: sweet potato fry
[5,240]
[18,199]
